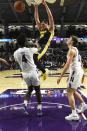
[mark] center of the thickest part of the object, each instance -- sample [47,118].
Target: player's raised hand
[35,4]
[43,2]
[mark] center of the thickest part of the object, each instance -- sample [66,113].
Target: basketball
[19,6]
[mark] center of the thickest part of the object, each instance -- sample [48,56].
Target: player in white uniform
[24,56]
[75,77]
[75,71]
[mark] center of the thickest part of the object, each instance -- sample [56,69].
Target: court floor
[11,79]
[54,101]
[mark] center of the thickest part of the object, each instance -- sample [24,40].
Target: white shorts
[31,78]
[75,79]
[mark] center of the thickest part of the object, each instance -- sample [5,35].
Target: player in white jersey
[25,58]
[75,77]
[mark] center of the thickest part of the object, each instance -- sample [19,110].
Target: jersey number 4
[72,77]
[24,59]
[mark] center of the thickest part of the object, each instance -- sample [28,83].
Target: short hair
[21,39]
[44,20]
[75,40]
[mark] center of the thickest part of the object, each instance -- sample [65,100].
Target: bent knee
[70,91]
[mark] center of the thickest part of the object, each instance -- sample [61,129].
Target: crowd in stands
[34,33]
[55,56]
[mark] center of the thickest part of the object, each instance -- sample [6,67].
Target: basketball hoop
[30,2]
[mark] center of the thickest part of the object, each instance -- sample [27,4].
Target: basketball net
[30,2]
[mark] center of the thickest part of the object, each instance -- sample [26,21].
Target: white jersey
[76,71]
[76,62]
[24,57]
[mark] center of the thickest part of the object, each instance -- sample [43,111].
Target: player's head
[21,39]
[72,41]
[44,24]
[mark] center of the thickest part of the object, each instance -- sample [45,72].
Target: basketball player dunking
[75,77]
[46,30]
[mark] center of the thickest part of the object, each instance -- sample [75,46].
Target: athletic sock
[74,112]
[25,102]
[83,104]
[39,106]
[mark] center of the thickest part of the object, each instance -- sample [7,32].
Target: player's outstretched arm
[36,15]
[4,61]
[50,17]
[69,60]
